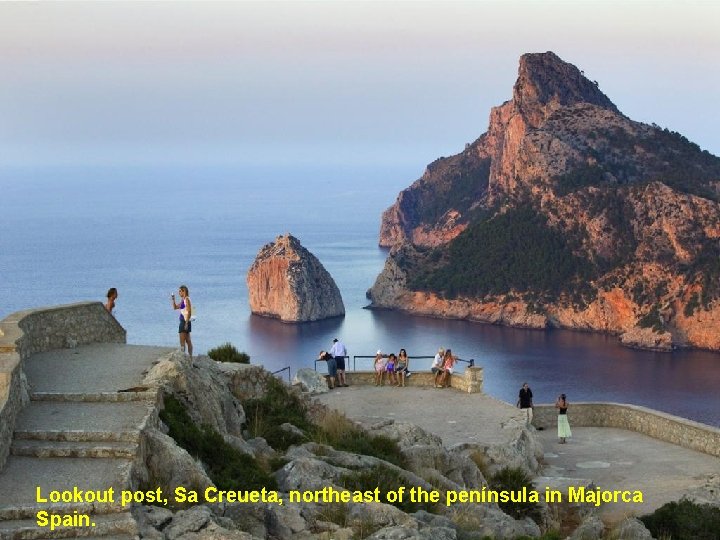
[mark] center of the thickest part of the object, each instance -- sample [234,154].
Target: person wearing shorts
[390,368]
[185,327]
[331,367]
[339,352]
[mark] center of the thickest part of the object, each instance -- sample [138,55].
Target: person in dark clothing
[525,402]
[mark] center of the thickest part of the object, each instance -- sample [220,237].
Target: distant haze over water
[70,233]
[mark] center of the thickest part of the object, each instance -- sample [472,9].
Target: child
[380,365]
[447,369]
[392,359]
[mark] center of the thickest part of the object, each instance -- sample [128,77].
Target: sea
[68,233]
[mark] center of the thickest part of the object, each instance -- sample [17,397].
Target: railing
[469,363]
[286,368]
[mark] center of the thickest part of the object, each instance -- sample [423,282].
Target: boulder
[310,381]
[592,528]
[288,282]
[631,529]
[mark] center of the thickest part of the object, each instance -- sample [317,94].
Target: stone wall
[656,424]
[471,381]
[25,333]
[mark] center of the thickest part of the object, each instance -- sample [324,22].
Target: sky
[334,82]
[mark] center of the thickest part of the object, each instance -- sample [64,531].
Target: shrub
[386,479]
[337,431]
[226,466]
[279,405]
[684,520]
[515,479]
[228,353]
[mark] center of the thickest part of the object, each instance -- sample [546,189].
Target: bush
[337,431]
[386,479]
[279,405]
[226,466]
[515,479]
[684,520]
[228,353]
[276,407]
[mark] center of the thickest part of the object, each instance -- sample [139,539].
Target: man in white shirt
[339,352]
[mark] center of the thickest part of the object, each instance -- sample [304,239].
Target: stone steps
[106,397]
[79,436]
[43,448]
[106,526]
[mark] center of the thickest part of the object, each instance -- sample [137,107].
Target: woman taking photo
[185,307]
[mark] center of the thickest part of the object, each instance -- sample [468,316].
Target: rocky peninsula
[289,283]
[565,213]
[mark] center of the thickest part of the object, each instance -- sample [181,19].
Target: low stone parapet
[655,424]
[470,381]
[28,332]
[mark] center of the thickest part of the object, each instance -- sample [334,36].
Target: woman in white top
[185,307]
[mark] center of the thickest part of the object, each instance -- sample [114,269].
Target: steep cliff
[565,213]
[288,282]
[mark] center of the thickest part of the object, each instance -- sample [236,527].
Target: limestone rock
[647,338]
[310,381]
[631,529]
[288,282]
[171,466]
[185,521]
[637,205]
[591,528]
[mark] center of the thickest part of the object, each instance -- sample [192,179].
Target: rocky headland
[289,283]
[565,213]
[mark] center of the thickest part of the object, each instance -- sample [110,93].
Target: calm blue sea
[69,233]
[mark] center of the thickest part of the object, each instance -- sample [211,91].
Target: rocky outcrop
[288,282]
[624,215]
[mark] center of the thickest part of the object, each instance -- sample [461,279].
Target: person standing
[111,295]
[331,367]
[525,402]
[563,425]
[185,307]
[339,352]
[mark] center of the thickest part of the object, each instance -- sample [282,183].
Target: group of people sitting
[396,367]
[442,366]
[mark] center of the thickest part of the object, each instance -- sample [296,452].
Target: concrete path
[454,416]
[610,458]
[82,428]
[617,459]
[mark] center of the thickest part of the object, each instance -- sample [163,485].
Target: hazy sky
[327,82]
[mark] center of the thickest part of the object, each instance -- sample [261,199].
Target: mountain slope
[565,213]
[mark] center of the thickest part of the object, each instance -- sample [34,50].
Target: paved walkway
[610,458]
[81,428]
[454,416]
[617,459]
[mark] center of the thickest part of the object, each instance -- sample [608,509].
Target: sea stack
[289,283]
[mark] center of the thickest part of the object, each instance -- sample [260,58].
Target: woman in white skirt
[563,426]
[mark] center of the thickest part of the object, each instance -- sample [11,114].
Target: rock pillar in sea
[288,282]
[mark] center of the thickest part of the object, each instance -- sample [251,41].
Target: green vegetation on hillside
[514,251]
[279,405]
[226,466]
[684,520]
[228,353]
